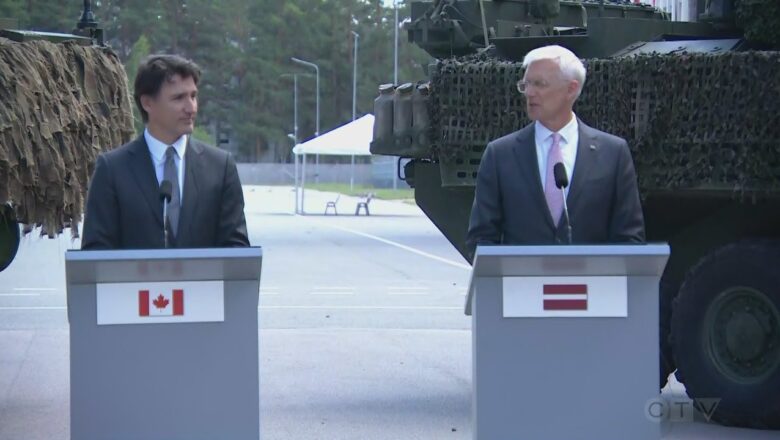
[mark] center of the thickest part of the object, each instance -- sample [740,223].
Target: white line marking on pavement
[286,307]
[34,308]
[332,290]
[335,292]
[363,307]
[34,289]
[392,243]
[20,294]
[407,291]
[269,290]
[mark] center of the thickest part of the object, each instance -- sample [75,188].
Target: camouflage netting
[760,19]
[691,120]
[60,105]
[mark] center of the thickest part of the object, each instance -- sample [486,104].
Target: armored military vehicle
[63,99]
[698,103]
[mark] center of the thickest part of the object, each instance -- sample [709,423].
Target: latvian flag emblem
[161,304]
[565,297]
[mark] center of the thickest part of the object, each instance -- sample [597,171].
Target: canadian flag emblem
[161,305]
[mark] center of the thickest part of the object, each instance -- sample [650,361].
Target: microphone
[166,190]
[562,181]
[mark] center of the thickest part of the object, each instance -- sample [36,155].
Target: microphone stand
[566,215]
[165,196]
[562,181]
[165,222]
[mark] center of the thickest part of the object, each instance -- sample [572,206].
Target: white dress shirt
[157,150]
[570,136]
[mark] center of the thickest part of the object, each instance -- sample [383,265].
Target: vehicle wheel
[666,295]
[726,333]
[9,237]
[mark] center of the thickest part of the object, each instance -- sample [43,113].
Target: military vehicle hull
[698,107]
[63,99]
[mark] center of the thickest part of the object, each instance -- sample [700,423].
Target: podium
[565,341]
[164,343]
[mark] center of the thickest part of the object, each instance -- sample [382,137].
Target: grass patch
[360,190]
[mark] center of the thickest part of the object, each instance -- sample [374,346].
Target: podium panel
[171,350]
[565,341]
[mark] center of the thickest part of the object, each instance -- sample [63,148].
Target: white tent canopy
[351,139]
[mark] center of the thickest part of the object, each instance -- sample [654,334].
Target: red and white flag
[547,297]
[565,297]
[161,304]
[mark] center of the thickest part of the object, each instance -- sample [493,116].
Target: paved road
[361,326]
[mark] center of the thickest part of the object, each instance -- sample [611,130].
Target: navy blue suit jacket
[510,208]
[124,210]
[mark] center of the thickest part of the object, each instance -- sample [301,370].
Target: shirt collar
[157,148]
[567,133]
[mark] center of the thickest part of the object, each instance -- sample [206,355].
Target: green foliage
[139,51]
[243,46]
[13,9]
[202,135]
[42,15]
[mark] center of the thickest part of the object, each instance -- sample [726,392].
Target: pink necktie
[551,192]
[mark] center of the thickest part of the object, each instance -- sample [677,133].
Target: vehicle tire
[9,237]
[726,334]
[666,294]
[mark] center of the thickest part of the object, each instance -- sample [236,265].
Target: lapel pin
[592,147]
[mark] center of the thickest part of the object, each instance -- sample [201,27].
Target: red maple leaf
[160,302]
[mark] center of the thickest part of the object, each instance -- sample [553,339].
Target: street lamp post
[395,45]
[354,106]
[294,136]
[317,70]
[354,75]
[317,130]
[295,108]
[395,71]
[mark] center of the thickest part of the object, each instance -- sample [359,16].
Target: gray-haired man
[516,201]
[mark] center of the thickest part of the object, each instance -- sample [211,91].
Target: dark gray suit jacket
[124,210]
[509,204]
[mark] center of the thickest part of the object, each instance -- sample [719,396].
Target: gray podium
[565,341]
[164,343]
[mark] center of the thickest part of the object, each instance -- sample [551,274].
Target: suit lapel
[528,164]
[587,149]
[145,177]
[192,171]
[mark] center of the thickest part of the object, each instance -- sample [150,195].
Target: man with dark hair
[124,207]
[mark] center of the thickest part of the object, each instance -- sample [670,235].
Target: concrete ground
[362,331]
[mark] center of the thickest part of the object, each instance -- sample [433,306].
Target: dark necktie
[171,174]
